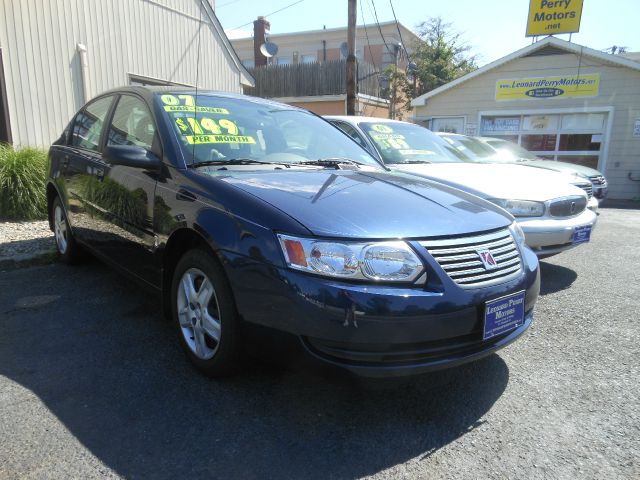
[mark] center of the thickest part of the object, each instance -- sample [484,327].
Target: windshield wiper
[232,161]
[331,162]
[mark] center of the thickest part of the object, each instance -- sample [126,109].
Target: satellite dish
[344,49]
[269,49]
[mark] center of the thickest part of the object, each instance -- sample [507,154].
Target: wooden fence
[311,79]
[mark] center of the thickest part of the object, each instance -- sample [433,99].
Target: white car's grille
[567,207]
[461,258]
[598,180]
[587,187]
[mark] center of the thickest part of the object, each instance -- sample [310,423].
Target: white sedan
[550,207]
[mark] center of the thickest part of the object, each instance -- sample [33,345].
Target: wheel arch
[179,242]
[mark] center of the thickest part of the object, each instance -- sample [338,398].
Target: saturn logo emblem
[487,259]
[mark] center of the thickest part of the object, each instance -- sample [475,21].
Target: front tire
[67,247]
[204,313]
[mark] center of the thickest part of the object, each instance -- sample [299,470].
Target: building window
[539,143]
[284,60]
[573,137]
[450,125]
[308,59]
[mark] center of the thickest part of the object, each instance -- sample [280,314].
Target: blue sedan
[244,213]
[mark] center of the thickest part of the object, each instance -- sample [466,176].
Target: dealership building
[558,99]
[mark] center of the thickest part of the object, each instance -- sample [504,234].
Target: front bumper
[593,204]
[548,235]
[379,330]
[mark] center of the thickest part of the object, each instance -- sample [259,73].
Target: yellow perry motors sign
[564,86]
[547,17]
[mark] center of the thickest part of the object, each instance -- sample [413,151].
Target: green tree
[440,56]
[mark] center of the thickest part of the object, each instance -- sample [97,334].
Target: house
[558,99]
[377,47]
[54,56]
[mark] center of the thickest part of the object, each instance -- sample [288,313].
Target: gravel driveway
[93,385]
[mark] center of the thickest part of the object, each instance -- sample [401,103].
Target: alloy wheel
[199,313]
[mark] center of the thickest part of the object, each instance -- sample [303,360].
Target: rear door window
[88,124]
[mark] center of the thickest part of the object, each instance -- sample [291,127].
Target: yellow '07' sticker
[186,103]
[200,139]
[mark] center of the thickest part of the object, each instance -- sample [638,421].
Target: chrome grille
[587,187]
[567,207]
[598,180]
[460,258]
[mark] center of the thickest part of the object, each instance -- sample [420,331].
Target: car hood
[490,180]
[564,167]
[375,205]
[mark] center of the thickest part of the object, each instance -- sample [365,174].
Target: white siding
[619,88]
[152,38]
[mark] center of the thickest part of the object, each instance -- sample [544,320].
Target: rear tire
[68,248]
[204,313]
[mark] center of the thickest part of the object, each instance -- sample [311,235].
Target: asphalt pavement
[93,385]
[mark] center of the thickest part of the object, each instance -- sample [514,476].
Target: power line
[225,4]
[272,13]
[380,28]
[399,32]
[367,37]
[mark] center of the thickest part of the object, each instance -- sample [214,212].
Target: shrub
[23,174]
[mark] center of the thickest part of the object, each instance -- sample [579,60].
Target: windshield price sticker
[186,103]
[385,136]
[388,141]
[378,127]
[207,130]
[201,139]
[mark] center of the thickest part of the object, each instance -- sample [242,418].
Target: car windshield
[400,142]
[214,129]
[472,148]
[509,151]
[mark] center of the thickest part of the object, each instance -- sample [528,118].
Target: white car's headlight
[520,208]
[378,261]
[518,233]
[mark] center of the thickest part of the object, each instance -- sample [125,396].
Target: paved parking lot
[93,385]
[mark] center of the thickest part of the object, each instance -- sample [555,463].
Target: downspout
[84,70]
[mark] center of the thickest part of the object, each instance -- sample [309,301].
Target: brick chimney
[260,28]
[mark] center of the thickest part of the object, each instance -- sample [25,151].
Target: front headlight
[520,208]
[379,261]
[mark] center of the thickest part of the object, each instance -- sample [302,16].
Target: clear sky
[493,28]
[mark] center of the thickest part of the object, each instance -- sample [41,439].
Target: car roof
[149,91]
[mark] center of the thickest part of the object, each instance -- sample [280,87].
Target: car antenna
[195,106]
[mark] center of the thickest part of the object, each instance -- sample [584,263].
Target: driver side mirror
[131,156]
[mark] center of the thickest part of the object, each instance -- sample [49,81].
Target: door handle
[65,161]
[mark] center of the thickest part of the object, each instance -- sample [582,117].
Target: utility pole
[351,58]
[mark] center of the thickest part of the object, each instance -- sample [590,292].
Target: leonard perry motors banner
[563,86]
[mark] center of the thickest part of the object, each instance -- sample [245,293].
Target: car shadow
[555,278]
[93,348]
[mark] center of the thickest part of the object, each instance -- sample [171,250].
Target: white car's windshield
[511,151]
[408,143]
[470,147]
